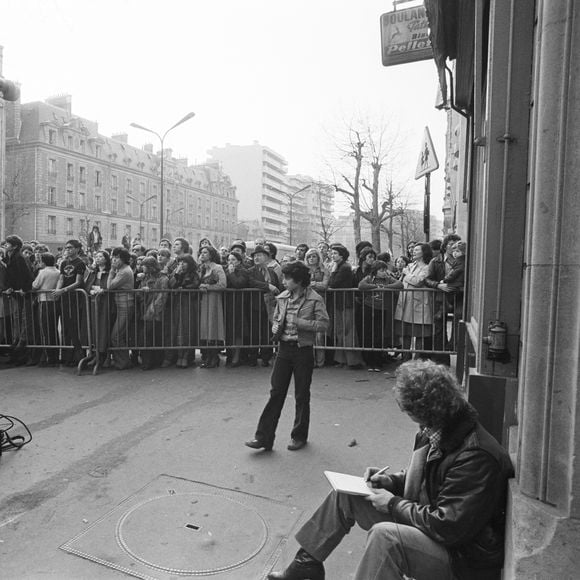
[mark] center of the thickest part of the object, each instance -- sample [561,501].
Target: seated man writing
[441,519]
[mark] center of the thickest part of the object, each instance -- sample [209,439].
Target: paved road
[98,440]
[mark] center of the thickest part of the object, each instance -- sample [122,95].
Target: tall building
[260,177]
[310,209]
[63,177]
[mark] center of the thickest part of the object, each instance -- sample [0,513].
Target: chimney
[148,147]
[120,137]
[63,102]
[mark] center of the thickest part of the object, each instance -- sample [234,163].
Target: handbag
[10,439]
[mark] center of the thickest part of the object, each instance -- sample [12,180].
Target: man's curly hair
[430,393]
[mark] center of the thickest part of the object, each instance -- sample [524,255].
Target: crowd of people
[143,311]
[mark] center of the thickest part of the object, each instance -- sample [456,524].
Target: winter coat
[415,306]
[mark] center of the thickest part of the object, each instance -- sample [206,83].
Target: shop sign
[405,36]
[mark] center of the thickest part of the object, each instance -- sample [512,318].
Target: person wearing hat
[262,305]
[153,300]
[239,246]
[341,307]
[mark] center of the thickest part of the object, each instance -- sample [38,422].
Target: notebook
[350,484]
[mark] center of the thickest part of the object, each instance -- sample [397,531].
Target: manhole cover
[175,528]
[193,534]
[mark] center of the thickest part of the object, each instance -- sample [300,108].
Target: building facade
[63,178]
[310,210]
[515,80]
[260,177]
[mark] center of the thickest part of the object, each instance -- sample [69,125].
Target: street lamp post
[291,197]
[161,141]
[141,204]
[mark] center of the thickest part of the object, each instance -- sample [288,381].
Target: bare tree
[14,207]
[328,226]
[372,150]
[352,149]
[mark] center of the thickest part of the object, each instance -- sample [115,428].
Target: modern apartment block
[63,177]
[260,177]
[311,205]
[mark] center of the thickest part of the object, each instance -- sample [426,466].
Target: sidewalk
[97,440]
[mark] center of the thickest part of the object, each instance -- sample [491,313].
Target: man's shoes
[294,445]
[303,567]
[257,444]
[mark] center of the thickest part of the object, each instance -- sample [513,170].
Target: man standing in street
[441,519]
[299,315]
[72,272]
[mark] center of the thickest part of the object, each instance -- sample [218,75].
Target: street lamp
[141,204]
[161,141]
[291,197]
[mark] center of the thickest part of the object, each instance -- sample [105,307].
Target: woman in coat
[102,307]
[211,326]
[184,315]
[154,285]
[236,307]
[319,278]
[415,306]
[341,309]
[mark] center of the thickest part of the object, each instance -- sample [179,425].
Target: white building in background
[260,177]
[312,205]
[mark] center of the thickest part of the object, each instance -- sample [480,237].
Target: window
[154,212]
[141,187]
[82,144]
[98,203]
[83,174]
[98,178]
[52,167]
[82,200]
[142,232]
[113,231]
[69,198]
[52,196]
[154,235]
[70,142]
[114,182]
[127,207]
[69,226]
[82,224]
[52,136]
[129,186]
[114,205]
[70,172]
[52,224]
[98,151]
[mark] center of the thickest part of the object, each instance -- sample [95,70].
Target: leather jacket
[466,489]
[310,319]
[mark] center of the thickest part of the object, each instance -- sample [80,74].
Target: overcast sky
[286,74]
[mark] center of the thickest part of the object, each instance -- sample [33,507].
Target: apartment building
[260,177]
[311,207]
[63,177]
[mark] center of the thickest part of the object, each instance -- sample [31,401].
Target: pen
[380,471]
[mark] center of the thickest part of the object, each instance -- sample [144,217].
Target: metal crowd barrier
[176,322]
[54,329]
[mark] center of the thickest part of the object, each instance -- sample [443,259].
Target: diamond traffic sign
[427,161]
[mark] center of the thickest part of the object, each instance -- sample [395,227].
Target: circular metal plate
[192,534]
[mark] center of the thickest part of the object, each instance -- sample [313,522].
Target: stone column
[543,526]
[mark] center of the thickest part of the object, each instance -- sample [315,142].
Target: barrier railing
[174,323]
[56,329]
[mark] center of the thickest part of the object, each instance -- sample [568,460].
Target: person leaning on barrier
[441,519]
[72,273]
[439,267]
[319,279]
[299,315]
[49,308]
[121,283]
[18,281]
